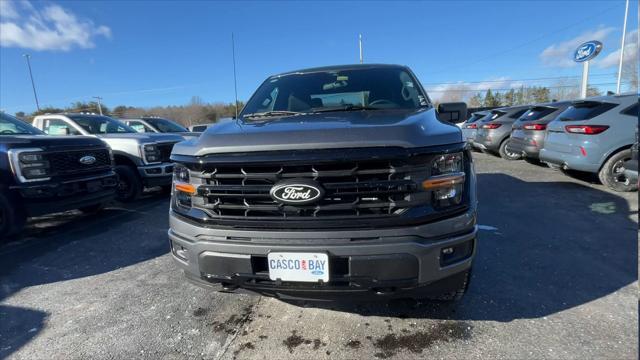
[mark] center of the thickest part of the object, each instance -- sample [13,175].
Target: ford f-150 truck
[141,160]
[334,183]
[42,174]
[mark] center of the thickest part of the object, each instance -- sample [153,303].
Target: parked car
[528,132]
[141,160]
[42,174]
[470,127]
[494,131]
[595,135]
[631,166]
[151,124]
[341,184]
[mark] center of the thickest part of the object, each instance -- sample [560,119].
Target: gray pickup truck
[141,160]
[334,183]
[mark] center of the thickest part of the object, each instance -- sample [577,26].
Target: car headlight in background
[150,153]
[183,189]
[447,179]
[29,165]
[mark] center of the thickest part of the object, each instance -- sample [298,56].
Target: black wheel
[129,184]
[12,218]
[612,173]
[92,209]
[506,154]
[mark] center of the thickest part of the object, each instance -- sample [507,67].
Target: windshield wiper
[349,107]
[273,113]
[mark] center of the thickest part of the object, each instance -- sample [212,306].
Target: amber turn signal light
[186,188]
[443,181]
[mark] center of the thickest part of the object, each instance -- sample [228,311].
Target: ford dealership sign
[587,51]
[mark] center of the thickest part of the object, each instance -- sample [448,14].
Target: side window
[58,127]
[631,110]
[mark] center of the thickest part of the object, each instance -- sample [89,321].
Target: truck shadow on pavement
[557,245]
[18,327]
[69,249]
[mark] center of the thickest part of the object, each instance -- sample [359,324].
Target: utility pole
[624,33]
[360,44]
[33,85]
[99,103]
[235,82]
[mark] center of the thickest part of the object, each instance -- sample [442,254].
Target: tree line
[195,112]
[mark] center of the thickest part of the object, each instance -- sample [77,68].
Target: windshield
[10,125]
[94,124]
[351,89]
[165,126]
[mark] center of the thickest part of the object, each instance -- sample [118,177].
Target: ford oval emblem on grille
[297,192]
[87,160]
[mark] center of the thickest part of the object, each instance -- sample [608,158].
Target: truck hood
[141,137]
[49,142]
[353,129]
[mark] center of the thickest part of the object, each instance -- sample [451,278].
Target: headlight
[150,153]
[447,179]
[29,165]
[183,189]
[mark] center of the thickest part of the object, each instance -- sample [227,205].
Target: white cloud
[630,52]
[561,54]
[7,10]
[50,28]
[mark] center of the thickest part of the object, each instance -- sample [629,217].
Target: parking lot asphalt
[555,277]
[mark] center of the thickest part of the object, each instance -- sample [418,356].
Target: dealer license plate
[303,267]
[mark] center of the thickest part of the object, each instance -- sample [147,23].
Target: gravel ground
[555,277]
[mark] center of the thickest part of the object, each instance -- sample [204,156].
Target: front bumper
[156,174]
[364,264]
[40,199]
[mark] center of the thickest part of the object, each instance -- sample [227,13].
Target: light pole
[360,46]
[33,85]
[99,103]
[624,33]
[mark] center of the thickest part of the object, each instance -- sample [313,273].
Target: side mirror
[454,112]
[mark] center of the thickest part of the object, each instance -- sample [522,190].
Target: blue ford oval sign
[587,51]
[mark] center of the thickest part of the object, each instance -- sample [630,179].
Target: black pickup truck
[41,174]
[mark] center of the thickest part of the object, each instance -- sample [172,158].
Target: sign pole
[585,79]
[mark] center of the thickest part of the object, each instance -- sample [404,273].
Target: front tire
[12,218]
[129,184]
[506,154]
[612,173]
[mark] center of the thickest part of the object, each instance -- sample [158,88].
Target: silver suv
[595,135]
[142,160]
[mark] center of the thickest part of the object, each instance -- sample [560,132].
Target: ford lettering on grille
[297,192]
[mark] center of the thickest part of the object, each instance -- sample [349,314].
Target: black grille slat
[68,162]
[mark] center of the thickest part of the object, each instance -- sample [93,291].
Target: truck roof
[341,67]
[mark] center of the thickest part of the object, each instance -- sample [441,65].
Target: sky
[148,53]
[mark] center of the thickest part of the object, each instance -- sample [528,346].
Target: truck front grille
[365,188]
[68,162]
[165,151]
